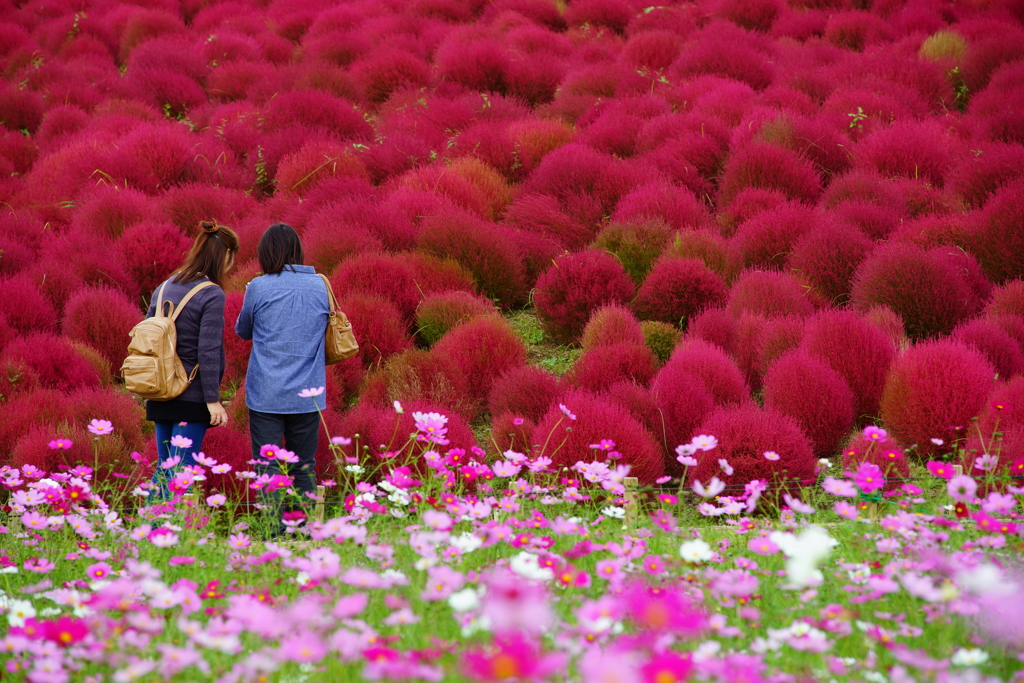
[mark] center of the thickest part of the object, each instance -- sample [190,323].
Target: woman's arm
[211,341]
[243,326]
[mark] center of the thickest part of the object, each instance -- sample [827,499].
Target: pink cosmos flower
[726,467]
[704,442]
[101,427]
[714,487]
[771,455]
[65,631]
[566,411]
[962,488]
[269,451]
[876,434]
[179,441]
[942,470]
[238,541]
[869,477]
[398,408]
[667,667]
[604,445]
[986,462]
[839,487]
[504,468]
[100,570]
[762,545]
[797,505]
[845,510]
[511,657]
[664,609]
[310,393]
[61,444]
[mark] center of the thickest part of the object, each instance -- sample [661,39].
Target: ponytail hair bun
[210,227]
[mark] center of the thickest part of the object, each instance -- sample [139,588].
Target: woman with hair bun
[285,315]
[200,330]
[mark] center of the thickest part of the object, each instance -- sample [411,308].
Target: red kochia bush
[382,429]
[484,347]
[603,365]
[712,367]
[997,238]
[857,350]
[677,206]
[102,318]
[24,307]
[654,49]
[1007,299]
[54,360]
[761,340]
[525,391]
[910,149]
[756,15]
[886,455]
[744,434]
[1001,350]
[682,402]
[319,112]
[767,167]
[765,241]
[418,375]
[379,274]
[978,176]
[151,251]
[574,287]
[314,162]
[612,14]
[769,293]
[612,324]
[567,441]
[236,349]
[812,393]
[472,58]
[926,288]
[677,289]
[110,211]
[931,388]
[827,257]
[482,248]
[720,51]
[509,431]
[33,407]
[385,70]
[377,325]
[998,431]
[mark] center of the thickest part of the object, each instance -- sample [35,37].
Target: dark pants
[164,431]
[300,433]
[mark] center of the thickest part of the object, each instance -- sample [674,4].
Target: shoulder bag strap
[331,301]
[191,293]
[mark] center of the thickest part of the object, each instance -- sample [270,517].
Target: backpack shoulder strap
[192,292]
[160,302]
[331,301]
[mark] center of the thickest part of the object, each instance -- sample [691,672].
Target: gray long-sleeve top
[200,327]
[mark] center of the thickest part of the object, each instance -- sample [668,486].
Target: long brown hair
[209,254]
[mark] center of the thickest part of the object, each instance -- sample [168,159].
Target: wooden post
[958,470]
[318,511]
[873,511]
[631,503]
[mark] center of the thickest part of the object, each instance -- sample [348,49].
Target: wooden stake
[318,511]
[958,470]
[631,503]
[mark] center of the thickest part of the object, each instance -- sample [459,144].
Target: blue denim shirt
[285,315]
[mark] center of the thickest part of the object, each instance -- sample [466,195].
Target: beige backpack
[152,369]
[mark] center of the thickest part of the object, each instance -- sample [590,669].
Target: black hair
[278,248]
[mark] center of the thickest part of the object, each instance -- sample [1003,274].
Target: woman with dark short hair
[285,315]
[200,345]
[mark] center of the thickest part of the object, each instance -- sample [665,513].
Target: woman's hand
[218,416]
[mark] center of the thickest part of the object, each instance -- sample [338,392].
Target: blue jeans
[164,431]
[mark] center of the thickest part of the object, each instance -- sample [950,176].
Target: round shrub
[417,375]
[377,325]
[682,402]
[769,293]
[745,433]
[472,58]
[236,349]
[827,257]
[544,215]
[375,431]
[886,455]
[857,350]
[716,326]
[677,289]
[978,176]
[482,248]
[484,348]
[102,318]
[603,365]
[745,205]
[719,51]
[507,434]
[574,287]
[1001,350]
[661,338]
[708,246]
[378,274]
[568,441]
[812,393]
[110,212]
[1007,299]
[438,313]
[609,325]
[712,367]
[231,445]
[997,238]
[931,388]
[525,391]
[925,288]
[24,307]
[909,149]
[635,244]
[761,340]
[765,241]
[767,167]
[55,360]
[315,162]
[677,206]
[151,252]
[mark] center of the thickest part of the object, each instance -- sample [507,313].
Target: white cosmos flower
[804,553]
[965,657]
[528,566]
[714,487]
[695,551]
